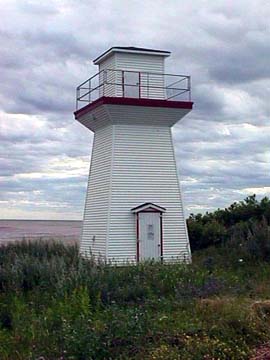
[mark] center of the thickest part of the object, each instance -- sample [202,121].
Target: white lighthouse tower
[133,209]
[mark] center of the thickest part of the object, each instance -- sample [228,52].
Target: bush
[216,228]
[251,239]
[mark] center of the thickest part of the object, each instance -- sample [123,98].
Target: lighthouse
[133,208]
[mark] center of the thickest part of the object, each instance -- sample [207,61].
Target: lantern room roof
[130,49]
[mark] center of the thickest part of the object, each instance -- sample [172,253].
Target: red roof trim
[148,207]
[133,102]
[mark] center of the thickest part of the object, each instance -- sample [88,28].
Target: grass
[56,305]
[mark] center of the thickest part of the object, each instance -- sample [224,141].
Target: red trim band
[138,239]
[133,102]
[161,237]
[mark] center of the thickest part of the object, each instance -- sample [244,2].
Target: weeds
[56,305]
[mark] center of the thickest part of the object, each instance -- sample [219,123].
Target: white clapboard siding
[148,64]
[94,235]
[144,170]
[108,77]
[139,62]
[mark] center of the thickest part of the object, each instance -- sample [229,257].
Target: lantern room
[131,72]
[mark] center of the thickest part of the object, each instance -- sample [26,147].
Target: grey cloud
[241,64]
[49,51]
[38,8]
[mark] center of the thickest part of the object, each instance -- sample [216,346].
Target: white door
[149,235]
[131,84]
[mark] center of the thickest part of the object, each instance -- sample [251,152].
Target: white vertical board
[149,235]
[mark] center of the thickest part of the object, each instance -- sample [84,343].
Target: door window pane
[131,83]
[150,232]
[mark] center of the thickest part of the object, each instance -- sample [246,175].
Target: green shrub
[56,305]
[215,228]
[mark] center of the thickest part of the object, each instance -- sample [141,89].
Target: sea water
[15,230]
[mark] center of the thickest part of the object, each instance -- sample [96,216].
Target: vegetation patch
[56,305]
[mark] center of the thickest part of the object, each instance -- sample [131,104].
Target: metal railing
[133,84]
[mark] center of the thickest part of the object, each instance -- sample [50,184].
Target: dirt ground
[262,353]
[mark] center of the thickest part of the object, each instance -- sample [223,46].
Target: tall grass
[56,305]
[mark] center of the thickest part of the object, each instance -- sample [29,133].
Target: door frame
[148,207]
[126,85]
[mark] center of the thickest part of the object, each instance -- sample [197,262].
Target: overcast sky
[47,48]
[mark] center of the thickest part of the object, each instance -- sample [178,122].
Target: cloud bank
[222,146]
